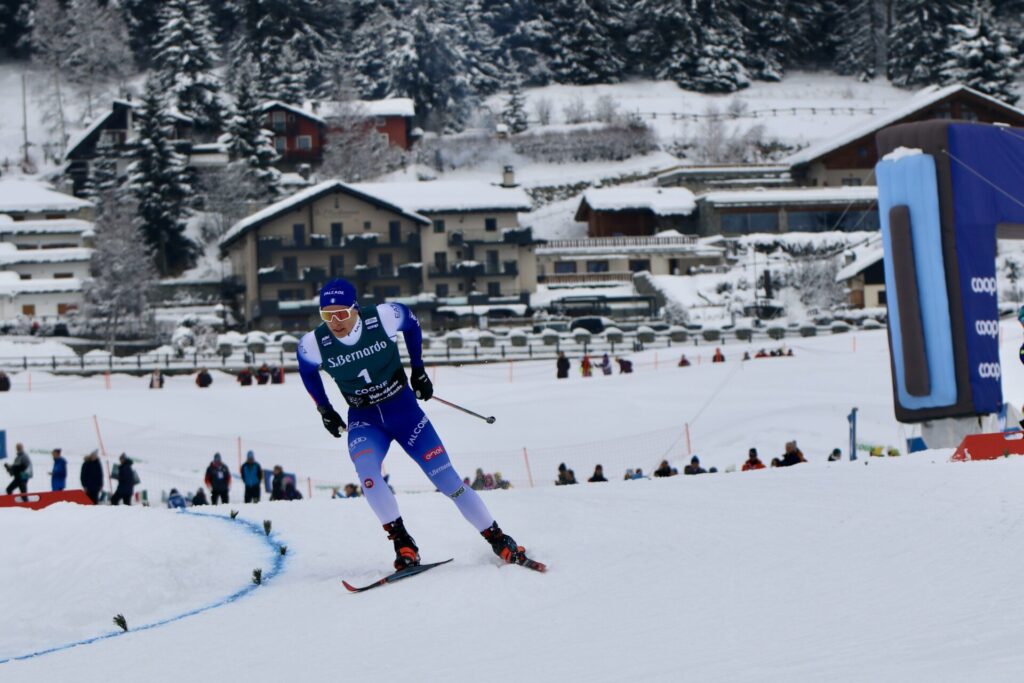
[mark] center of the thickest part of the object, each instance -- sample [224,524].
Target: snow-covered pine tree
[159,180]
[766,37]
[524,34]
[860,42]
[714,62]
[14,28]
[662,31]
[185,60]
[514,113]
[122,271]
[104,180]
[251,144]
[143,20]
[380,39]
[586,50]
[288,83]
[50,39]
[485,57]
[982,57]
[919,39]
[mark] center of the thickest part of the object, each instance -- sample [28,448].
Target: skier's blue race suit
[371,428]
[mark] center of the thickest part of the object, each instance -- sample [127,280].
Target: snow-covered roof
[56,226]
[864,257]
[10,255]
[11,284]
[392,106]
[274,104]
[442,196]
[662,201]
[302,197]
[925,98]
[23,196]
[802,195]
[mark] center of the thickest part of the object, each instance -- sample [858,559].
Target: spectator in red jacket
[218,478]
[753,462]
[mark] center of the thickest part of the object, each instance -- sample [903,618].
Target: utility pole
[24,125]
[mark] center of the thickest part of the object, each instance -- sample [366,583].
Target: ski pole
[488,420]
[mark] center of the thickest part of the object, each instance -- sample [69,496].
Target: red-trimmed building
[298,134]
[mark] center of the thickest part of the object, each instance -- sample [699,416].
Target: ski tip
[349,586]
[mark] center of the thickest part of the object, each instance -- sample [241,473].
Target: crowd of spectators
[588,366]
[247,376]
[484,481]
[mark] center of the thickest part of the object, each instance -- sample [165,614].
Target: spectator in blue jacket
[59,474]
[252,477]
[176,500]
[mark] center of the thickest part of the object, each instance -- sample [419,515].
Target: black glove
[332,421]
[421,384]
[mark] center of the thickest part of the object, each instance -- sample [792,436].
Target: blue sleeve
[413,334]
[309,370]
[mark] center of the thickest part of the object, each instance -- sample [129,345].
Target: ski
[533,564]
[397,576]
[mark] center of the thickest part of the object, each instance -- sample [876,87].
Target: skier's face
[340,319]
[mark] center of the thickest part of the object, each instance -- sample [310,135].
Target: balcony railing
[583,278]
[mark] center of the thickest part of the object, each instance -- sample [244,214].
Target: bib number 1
[365,374]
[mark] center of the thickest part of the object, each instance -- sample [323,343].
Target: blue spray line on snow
[276,568]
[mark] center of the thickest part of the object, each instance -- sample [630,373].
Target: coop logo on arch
[983,285]
[989,371]
[987,328]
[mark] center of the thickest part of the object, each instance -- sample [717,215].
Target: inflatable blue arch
[945,190]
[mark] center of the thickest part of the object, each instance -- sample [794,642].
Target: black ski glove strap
[332,421]
[421,384]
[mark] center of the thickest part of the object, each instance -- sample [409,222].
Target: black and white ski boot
[406,552]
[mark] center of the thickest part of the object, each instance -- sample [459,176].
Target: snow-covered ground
[850,571]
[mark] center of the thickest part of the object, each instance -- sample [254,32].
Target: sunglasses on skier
[340,315]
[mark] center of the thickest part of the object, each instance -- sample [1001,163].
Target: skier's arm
[309,369]
[398,318]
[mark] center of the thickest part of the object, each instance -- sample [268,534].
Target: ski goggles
[339,315]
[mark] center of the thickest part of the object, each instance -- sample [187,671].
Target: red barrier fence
[37,501]
[989,446]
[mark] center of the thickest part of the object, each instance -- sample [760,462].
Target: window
[562,267]
[441,261]
[493,289]
[337,265]
[862,152]
[281,144]
[492,257]
[63,276]
[741,223]
[394,232]
[441,289]
[25,276]
[379,121]
[881,298]
[299,233]
[304,142]
[852,182]
[336,232]
[28,309]
[821,221]
[439,225]
[385,263]
[55,216]
[597,266]
[367,225]
[491,224]
[112,137]
[64,309]
[278,121]
[289,267]
[638,265]
[967,114]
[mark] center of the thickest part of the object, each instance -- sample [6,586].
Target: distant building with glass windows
[803,209]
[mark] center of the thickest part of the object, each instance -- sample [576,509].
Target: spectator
[126,478]
[625,366]
[200,497]
[91,476]
[789,352]
[20,470]
[585,366]
[665,470]
[263,374]
[835,455]
[694,467]
[290,492]
[218,478]
[277,483]
[59,474]
[565,476]
[719,357]
[336,493]
[629,475]
[792,456]
[488,482]
[244,377]
[276,375]
[562,366]
[761,354]
[639,474]
[203,378]
[176,500]
[606,365]
[684,362]
[753,462]
[598,475]
[5,381]
[351,491]
[500,483]
[746,355]
[570,477]
[478,480]
[156,379]
[252,476]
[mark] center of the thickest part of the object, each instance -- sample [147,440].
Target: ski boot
[406,552]
[503,545]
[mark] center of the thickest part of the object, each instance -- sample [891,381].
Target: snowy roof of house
[23,196]
[392,106]
[11,255]
[56,226]
[864,256]
[926,97]
[661,201]
[11,284]
[303,197]
[277,104]
[802,195]
[443,196]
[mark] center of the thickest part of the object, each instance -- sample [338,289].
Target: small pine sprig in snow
[234,513]
[266,526]
[257,576]
[283,549]
[121,622]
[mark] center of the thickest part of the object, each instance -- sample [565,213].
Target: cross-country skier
[357,349]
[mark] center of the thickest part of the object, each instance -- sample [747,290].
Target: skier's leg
[367,446]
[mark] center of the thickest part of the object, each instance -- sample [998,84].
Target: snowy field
[892,569]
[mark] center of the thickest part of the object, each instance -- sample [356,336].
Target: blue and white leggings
[370,431]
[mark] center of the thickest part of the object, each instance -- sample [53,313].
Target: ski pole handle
[488,420]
